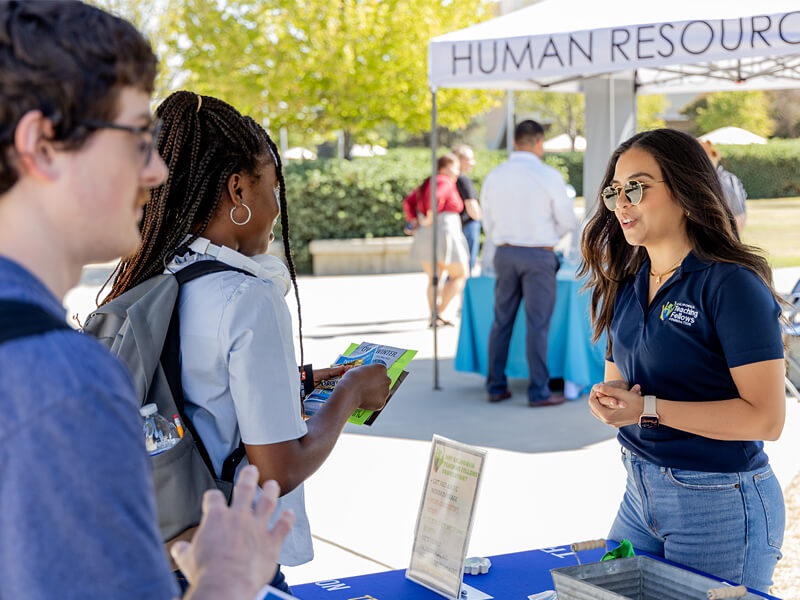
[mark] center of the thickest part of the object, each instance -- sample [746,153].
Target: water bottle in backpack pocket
[159,434]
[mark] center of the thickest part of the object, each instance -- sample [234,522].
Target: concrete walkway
[553,475]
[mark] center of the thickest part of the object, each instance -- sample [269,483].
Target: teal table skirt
[571,355]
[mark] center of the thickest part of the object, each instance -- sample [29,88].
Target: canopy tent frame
[776,23]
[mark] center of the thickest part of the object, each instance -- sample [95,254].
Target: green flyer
[394,359]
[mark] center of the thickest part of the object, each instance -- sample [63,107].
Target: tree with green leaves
[650,111]
[564,112]
[785,110]
[748,110]
[318,66]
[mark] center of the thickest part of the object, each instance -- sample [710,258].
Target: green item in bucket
[624,550]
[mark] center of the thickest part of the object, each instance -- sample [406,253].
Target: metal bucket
[639,578]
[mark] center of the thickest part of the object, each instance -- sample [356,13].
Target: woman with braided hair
[222,196]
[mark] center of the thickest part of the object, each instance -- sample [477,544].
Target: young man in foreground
[76,159]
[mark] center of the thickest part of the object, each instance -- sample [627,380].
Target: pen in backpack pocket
[178,425]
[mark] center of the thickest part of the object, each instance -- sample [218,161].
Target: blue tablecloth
[511,577]
[571,355]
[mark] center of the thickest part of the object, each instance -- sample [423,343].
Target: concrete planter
[363,256]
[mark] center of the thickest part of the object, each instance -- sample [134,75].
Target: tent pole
[509,121]
[435,277]
[611,110]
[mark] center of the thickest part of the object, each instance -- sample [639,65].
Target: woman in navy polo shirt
[694,374]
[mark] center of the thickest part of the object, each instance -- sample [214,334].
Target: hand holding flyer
[394,359]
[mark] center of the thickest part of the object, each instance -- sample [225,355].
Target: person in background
[694,371]
[471,215]
[526,211]
[77,156]
[732,186]
[452,254]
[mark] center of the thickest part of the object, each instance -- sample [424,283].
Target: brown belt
[539,247]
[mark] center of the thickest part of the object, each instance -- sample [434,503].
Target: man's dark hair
[528,133]
[445,161]
[68,60]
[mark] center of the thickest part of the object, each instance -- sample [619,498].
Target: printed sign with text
[445,517]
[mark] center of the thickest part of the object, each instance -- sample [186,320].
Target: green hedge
[767,170]
[337,199]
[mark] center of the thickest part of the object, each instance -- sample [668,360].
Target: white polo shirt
[525,203]
[239,372]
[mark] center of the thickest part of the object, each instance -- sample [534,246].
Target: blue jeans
[727,524]
[472,231]
[529,275]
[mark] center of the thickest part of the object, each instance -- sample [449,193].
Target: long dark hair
[710,225]
[203,142]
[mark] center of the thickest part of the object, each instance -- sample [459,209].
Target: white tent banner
[478,61]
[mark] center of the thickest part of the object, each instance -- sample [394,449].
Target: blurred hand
[234,551]
[370,383]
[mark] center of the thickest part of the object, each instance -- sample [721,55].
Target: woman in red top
[452,253]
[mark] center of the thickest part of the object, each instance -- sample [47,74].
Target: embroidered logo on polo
[667,309]
[679,312]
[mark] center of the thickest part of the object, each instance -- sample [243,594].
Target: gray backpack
[141,328]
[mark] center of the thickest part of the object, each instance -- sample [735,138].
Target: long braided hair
[203,142]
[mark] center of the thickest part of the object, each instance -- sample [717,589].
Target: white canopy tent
[563,143]
[732,135]
[681,45]
[610,51]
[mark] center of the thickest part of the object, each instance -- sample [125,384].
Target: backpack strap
[230,463]
[170,361]
[22,319]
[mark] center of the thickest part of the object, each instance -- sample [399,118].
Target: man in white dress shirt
[525,212]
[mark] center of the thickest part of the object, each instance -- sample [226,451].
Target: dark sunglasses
[634,192]
[146,147]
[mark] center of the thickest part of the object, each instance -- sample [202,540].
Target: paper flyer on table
[394,359]
[445,517]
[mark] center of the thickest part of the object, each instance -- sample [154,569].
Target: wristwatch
[649,418]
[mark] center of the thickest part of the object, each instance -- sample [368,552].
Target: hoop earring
[247,220]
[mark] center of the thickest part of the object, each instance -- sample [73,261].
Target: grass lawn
[774,225]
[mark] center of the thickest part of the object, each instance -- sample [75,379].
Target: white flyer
[444,521]
[385,355]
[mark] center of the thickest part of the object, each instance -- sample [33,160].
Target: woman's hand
[614,404]
[371,384]
[611,401]
[427,219]
[321,374]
